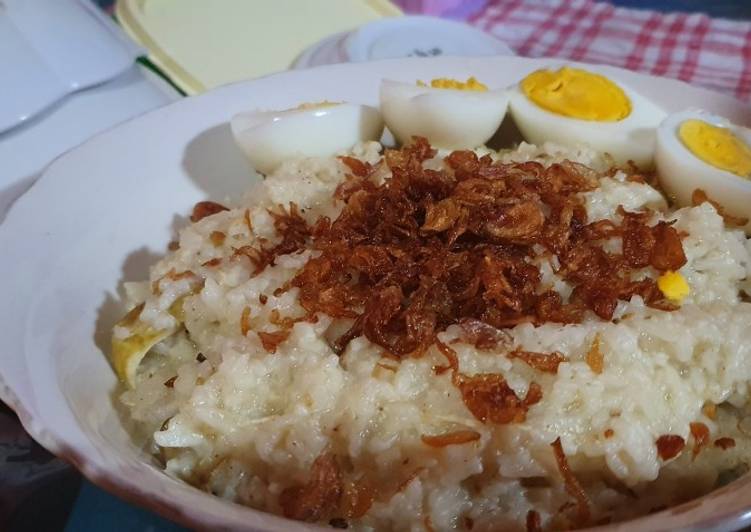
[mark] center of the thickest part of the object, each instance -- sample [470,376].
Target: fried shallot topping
[357,499]
[669,446]
[330,493]
[491,399]
[451,358]
[545,362]
[573,487]
[487,395]
[426,248]
[216,261]
[294,231]
[320,497]
[202,209]
[217,238]
[595,358]
[356,166]
[245,321]
[483,336]
[271,340]
[700,432]
[724,443]
[534,523]
[450,438]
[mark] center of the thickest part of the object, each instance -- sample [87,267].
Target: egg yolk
[717,146]
[578,94]
[673,286]
[315,105]
[448,83]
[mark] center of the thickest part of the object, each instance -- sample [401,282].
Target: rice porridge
[562,351]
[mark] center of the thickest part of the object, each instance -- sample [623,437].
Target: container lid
[201,44]
[44,66]
[414,36]
[421,37]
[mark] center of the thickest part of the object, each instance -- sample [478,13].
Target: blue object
[730,9]
[96,509]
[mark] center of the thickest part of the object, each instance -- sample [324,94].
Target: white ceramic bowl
[104,211]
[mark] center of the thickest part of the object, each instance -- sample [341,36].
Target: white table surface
[26,150]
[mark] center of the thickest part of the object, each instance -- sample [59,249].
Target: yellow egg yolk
[717,146]
[673,286]
[578,94]
[315,105]
[448,83]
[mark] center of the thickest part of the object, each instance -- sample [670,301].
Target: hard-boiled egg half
[132,341]
[699,150]
[451,114]
[571,106]
[310,130]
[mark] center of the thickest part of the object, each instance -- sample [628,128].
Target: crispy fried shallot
[245,321]
[217,238]
[271,340]
[320,497]
[724,443]
[357,498]
[669,446]
[294,232]
[595,358]
[491,399]
[545,362]
[700,432]
[216,261]
[202,209]
[483,336]
[571,483]
[534,523]
[450,438]
[425,249]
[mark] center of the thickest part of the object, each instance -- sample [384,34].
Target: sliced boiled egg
[451,114]
[699,150]
[131,341]
[571,106]
[267,138]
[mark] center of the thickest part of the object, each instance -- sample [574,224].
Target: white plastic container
[413,36]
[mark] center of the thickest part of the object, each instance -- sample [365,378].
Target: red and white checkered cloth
[709,52]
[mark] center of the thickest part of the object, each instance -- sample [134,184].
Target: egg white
[680,172]
[630,139]
[448,118]
[267,138]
